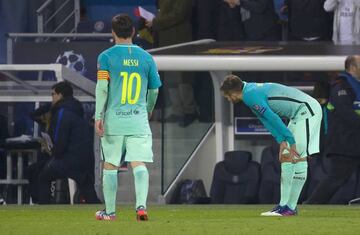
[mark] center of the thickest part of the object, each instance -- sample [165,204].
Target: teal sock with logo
[141,179]
[287,170]
[299,179]
[110,185]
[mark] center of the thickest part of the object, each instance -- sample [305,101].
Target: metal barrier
[37,91]
[13,37]
[42,22]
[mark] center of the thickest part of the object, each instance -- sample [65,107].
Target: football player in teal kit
[126,92]
[299,140]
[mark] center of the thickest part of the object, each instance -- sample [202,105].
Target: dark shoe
[286,211]
[187,120]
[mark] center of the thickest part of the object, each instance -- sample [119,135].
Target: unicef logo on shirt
[128,113]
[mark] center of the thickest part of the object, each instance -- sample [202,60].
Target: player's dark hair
[122,25]
[63,88]
[231,83]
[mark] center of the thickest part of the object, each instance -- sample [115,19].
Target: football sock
[299,178]
[110,183]
[141,179]
[287,169]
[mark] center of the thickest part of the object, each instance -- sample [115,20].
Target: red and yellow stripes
[103,75]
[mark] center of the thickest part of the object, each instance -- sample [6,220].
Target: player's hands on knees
[287,154]
[283,147]
[293,152]
[99,128]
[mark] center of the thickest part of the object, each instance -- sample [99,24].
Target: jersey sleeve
[154,77]
[102,62]
[277,135]
[258,104]
[103,67]
[101,90]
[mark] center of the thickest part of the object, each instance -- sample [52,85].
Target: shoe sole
[289,215]
[99,217]
[270,214]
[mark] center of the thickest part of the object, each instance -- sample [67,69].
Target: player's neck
[123,41]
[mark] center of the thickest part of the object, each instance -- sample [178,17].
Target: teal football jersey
[270,101]
[131,71]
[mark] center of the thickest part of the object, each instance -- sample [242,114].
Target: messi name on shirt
[130,63]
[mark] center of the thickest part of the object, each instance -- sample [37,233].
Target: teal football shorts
[307,132]
[137,148]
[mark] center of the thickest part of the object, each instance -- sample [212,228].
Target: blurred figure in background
[346,29]
[172,25]
[343,137]
[230,26]
[259,19]
[204,17]
[308,20]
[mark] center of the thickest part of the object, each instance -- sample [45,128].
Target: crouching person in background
[71,155]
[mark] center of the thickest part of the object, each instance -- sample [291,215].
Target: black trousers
[32,174]
[341,168]
[43,172]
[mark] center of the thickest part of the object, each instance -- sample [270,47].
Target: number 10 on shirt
[127,87]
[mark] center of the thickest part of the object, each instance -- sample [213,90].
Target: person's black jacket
[307,18]
[203,19]
[262,25]
[70,133]
[343,136]
[229,24]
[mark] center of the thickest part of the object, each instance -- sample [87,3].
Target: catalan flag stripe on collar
[103,75]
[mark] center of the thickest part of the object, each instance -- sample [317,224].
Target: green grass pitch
[179,219]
